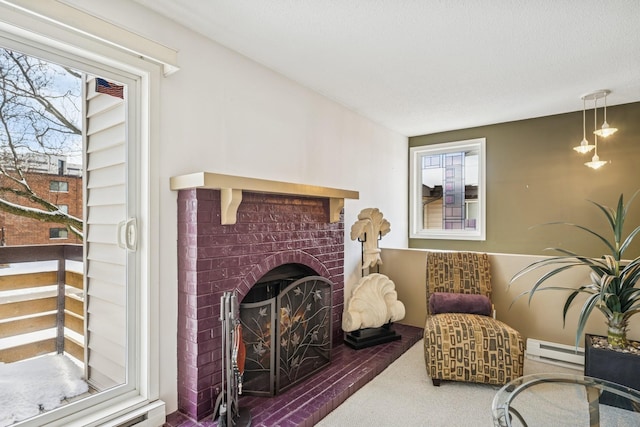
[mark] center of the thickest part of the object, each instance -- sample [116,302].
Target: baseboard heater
[557,354]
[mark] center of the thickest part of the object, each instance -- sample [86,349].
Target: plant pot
[615,366]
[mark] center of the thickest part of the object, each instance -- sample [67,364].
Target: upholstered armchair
[462,339]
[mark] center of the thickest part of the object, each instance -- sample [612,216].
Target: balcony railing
[41,301]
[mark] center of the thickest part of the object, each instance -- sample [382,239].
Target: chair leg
[436,382]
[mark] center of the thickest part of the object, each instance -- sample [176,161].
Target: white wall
[224,113]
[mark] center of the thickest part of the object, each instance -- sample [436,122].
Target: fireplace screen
[299,312]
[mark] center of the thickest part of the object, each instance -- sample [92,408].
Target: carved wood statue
[368,229]
[374,302]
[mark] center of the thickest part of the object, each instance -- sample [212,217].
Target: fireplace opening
[270,285]
[286,323]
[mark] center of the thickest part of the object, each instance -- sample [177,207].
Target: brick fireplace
[231,232]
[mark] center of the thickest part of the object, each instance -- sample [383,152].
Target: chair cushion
[472,348]
[450,302]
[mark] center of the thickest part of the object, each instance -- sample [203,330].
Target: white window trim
[31,29]
[415,191]
[89,27]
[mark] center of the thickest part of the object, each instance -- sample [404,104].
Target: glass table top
[565,400]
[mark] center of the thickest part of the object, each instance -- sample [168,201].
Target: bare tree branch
[34,93]
[72,224]
[39,105]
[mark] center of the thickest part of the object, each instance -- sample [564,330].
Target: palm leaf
[626,208]
[619,225]
[569,301]
[632,311]
[538,264]
[586,289]
[612,288]
[587,308]
[608,213]
[613,303]
[538,283]
[629,239]
[588,230]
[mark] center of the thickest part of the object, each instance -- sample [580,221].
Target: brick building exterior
[62,190]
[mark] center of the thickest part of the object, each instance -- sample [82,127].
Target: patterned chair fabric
[467,347]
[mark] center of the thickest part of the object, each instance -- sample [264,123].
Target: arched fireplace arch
[274,261]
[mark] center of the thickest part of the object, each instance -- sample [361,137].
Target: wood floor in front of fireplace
[307,403]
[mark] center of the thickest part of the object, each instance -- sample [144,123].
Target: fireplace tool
[233,359]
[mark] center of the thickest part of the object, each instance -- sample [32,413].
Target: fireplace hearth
[229,238]
[307,403]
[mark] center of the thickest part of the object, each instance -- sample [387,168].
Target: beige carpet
[403,395]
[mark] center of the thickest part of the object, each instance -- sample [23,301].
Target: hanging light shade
[605,130]
[584,146]
[595,162]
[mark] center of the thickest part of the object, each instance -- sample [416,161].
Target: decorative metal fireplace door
[288,336]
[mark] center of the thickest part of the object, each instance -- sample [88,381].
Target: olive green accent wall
[534,176]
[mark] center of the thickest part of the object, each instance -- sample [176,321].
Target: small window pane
[59,186]
[58,233]
[447,191]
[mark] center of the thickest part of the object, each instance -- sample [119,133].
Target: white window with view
[447,190]
[96,321]
[88,126]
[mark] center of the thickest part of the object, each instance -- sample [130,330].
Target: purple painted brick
[271,230]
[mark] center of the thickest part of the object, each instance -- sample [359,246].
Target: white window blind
[106,262]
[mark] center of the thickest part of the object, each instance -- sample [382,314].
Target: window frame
[416,230]
[32,34]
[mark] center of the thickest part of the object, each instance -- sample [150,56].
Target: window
[58,233]
[122,334]
[59,186]
[447,199]
[107,354]
[64,208]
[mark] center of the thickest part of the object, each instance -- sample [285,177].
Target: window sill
[135,411]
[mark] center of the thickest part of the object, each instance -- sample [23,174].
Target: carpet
[40,384]
[404,395]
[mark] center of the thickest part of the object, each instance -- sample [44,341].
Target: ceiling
[421,67]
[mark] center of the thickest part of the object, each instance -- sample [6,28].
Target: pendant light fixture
[605,130]
[584,146]
[595,162]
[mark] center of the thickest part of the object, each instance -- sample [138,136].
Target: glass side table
[565,400]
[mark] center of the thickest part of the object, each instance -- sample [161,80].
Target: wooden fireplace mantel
[231,188]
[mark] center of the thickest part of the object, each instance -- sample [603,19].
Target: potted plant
[613,288]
